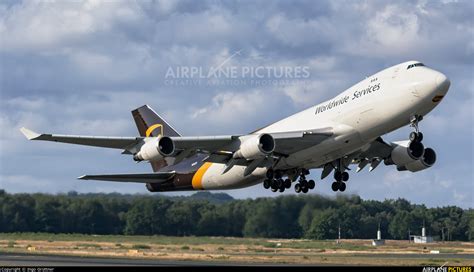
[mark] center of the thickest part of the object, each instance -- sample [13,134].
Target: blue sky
[80,68]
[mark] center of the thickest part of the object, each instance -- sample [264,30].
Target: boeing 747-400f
[344,130]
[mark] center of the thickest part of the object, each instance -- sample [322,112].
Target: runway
[54,261]
[10,259]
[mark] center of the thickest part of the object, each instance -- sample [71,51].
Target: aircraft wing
[377,149]
[205,143]
[372,155]
[159,177]
[221,148]
[98,141]
[287,143]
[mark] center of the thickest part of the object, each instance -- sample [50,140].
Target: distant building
[423,239]
[379,241]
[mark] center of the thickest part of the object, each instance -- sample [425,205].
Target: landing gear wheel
[338,176]
[287,183]
[305,189]
[420,137]
[274,189]
[416,137]
[282,189]
[342,186]
[345,176]
[280,183]
[334,186]
[303,183]
[277,174]
[266,183]
[311,184]
[274,184]
[297,188]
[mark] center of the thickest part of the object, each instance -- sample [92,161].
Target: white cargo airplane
[332,135]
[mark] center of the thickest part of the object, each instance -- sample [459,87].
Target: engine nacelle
[151,187]
[155,149]
[428,159]
[256,147]
[405,152]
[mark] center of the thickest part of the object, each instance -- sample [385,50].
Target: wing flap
[378,149]
[291,142]
[207,143]
[286,142]
[159,177]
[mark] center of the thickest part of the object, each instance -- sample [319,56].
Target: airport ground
[75,249]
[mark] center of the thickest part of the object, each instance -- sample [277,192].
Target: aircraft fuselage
[377,105]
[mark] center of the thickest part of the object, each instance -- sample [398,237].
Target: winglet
[29,134]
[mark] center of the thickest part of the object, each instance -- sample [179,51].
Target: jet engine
[412,156]
[405,152]
[151,187]
[256,147]
[155,149]
[426,161]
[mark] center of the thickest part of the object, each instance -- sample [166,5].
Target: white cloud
[229,111]
[440,121]
[324,64]
[462,197]
[297,32]
[42,24]
[394,29]
[394,178]
[307,94]
[27,104]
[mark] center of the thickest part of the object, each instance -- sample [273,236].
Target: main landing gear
[341,176]
[275,182]
[304,185]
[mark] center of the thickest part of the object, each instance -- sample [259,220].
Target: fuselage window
[415,65]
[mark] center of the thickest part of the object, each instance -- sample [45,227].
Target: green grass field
[237,250]
[188,240]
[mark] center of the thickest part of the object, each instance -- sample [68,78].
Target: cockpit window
[415,65]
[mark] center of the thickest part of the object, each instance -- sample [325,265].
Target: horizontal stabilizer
[159,177]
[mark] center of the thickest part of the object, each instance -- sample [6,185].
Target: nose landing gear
[416,136]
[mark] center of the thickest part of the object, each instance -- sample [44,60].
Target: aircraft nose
[442,83]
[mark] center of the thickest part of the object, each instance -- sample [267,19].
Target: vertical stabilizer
[150,124]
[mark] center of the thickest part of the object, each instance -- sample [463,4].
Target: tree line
[206,214]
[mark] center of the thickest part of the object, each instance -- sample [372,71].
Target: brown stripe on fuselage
[185,171]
